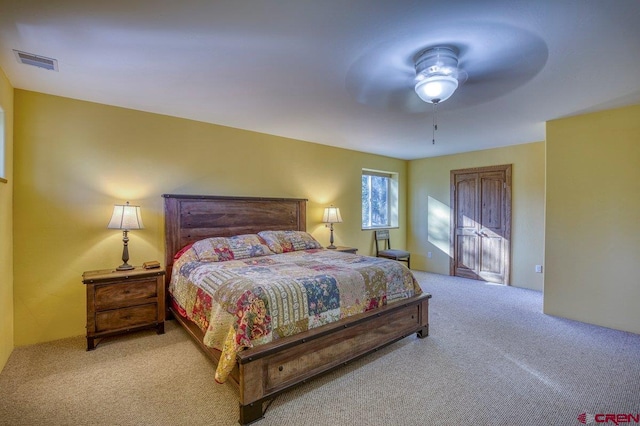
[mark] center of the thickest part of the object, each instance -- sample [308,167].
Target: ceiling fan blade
[384,85]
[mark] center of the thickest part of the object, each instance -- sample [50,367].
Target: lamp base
[125,253]
[331,246]
[125,267]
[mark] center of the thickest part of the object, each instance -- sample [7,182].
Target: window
[379,199]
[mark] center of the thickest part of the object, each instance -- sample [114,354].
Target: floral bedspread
[243,303]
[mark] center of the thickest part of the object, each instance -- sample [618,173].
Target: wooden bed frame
[266,371]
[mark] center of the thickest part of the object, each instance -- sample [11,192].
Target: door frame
[507,168]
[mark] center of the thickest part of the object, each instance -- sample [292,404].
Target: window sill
[3,180]
[376,228]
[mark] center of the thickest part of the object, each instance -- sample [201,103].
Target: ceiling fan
[437,77]
[402,75]
[434,75]
[387,76]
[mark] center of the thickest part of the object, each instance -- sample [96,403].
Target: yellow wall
[428,206]
[592,247]
[6,226]
[74,160]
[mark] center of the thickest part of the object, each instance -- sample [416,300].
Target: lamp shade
[126,217]
[437,88]
[331,215]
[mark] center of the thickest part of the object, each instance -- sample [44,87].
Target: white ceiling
[335,72]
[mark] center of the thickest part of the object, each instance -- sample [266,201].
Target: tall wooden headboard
[189,218]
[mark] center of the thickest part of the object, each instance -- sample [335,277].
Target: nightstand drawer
[126,317]
[109,296]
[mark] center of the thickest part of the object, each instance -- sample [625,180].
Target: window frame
[391,202]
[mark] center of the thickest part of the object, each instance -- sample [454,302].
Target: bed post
[250,413]
[424,318]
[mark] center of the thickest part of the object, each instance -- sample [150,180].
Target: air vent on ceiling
[36,60]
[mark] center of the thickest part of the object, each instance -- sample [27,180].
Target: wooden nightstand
[346,249]
[123,301]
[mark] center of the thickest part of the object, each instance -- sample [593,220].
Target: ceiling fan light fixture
[436,74]
[437,88]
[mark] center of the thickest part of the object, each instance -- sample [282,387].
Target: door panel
[492,265]
[467,261]
[491,195]
[466,216]
[481,225]
[467,202]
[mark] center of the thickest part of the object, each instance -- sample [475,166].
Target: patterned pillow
[220,249]
[286,241]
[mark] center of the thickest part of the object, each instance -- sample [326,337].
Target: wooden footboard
[266,371]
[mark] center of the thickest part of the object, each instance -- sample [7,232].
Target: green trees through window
[379,199]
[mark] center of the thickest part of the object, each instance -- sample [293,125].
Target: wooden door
[481,223]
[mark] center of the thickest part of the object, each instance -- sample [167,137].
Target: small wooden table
[123,301]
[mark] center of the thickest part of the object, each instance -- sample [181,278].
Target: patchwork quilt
[241,293]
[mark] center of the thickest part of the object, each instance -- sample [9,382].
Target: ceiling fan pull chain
[435,125]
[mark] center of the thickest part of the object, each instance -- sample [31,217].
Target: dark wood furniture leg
[423,333]
[250,413]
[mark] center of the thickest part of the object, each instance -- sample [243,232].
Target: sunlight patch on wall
[438,225]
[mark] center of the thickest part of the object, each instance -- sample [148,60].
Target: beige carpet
[492,359]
